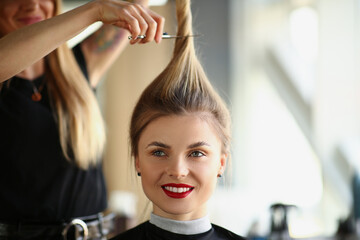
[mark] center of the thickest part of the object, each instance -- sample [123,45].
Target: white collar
[191,227]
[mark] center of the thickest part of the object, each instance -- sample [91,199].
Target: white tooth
[177,190]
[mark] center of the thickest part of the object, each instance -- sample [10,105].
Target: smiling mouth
[177,190]
[30,20]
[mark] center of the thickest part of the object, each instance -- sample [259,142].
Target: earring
[219,175]
[139,174]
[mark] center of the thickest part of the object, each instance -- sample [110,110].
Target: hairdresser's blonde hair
[180,89]
[81,127]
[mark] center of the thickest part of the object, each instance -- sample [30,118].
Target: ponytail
[181,88]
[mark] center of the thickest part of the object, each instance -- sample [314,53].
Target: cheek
[207,185]
[6,23]
[150,172]
[49,8]
[208,169]
[153,172]
[206,174]
[206,180]
[7,11]
[149,181]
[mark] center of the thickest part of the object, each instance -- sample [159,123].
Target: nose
[30,5]
[177,168]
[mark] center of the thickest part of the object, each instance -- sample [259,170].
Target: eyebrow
[163,145]
[158,144]
[198,144]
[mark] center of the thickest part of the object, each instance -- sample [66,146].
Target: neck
[34,71]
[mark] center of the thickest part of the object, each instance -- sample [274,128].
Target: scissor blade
[174,36]
[165,36]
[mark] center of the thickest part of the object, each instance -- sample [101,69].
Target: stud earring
[139,174]
[219,175]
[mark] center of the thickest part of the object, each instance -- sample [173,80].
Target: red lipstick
[30,20]
[175,190]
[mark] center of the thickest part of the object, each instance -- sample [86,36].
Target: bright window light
[157,2]
[284,166]
[303,25]
[303,34]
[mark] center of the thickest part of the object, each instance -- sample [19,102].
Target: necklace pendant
[36,96]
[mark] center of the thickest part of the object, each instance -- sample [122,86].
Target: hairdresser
[51,130]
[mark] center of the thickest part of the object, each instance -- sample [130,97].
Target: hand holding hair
[135,17]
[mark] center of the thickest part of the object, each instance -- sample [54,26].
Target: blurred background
[288,70]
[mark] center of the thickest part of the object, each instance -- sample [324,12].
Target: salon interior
[287,70]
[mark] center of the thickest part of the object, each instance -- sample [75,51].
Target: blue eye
[158,153]
[197,154]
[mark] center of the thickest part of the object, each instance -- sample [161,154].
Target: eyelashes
[197,153]
[192,153]
[158,153]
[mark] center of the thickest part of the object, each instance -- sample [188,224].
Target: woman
[180,140]
[52,134]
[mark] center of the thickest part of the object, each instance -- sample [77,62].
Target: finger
[160,26]
[133,25]
[143,25]
[151,29]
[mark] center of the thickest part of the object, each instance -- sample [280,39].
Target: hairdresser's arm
[22,48]
[103,47]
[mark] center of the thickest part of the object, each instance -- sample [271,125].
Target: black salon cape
[148,231]
[37,183]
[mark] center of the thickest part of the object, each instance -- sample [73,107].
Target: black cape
[149,231]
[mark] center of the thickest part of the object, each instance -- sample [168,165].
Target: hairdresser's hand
[135,17]
[144,3]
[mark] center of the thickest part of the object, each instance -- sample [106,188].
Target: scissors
[165,36]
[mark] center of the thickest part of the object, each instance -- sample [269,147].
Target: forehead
[180,130]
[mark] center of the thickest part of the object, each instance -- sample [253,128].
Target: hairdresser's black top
[36,181]
[148,231]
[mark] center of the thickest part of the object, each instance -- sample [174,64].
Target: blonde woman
[51,131]
[180,143]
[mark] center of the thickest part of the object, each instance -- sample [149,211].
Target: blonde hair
[81,127]
[80,124]
[181,88]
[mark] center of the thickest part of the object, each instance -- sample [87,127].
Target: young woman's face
[15,14]
[179,159]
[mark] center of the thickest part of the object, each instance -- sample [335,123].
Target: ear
[223,159]
[137,164]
